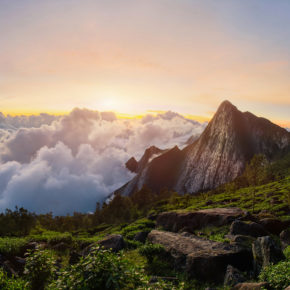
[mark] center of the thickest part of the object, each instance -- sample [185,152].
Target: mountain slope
[219,155]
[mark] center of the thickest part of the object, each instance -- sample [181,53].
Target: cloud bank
[66,164]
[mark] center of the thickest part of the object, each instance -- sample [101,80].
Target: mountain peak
[226,105]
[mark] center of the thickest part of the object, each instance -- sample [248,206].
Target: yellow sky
[134,56]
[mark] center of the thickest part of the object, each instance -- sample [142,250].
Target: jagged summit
[218,156]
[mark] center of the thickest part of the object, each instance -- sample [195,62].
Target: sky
[132,56]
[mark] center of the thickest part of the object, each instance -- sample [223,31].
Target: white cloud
[74,161]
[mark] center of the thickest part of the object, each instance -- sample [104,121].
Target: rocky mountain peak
[218,156]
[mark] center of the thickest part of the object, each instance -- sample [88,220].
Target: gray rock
[248,229]
[191,221]
[250,286]
[285,238]
[114,242]
[233,276]
[141,237]
[273,225]
[202,259]
[242,240]
[265,252]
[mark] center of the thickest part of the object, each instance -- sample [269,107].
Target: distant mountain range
[218,156]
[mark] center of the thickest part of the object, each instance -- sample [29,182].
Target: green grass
[12,246]
[272,198]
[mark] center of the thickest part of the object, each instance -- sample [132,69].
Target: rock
[272,225]
[250,286]
[191,221]
[202,259]
[132,165]
[141,237]
[233,276]
[114,242]
[74,257]
[60,247]
[242,240]
[288,288]
[265,252]
[285,238]
[19,264]
[248,229]
[9,268]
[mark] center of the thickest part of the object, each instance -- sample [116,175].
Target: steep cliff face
[229,141]
[219,155]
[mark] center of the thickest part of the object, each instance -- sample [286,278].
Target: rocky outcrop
[113,242]
[218,156]
[200,258]
[285,238]
[190,221]
[248,229]
[132,165]
[265,252]
[233,276]
[273,225]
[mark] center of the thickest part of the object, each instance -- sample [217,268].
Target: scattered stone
[273,225]
[60,246]
[285,238]
[191,221]
[241,240]
[155,279]
[74,257]
[201,258]
[250,286]
[8,267]
[248,229]
[233,276]
[114,242]
[265,252]
[141,237]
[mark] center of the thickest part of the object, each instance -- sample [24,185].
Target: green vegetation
[11,283]
[12,246]
[278,276]
[263,190]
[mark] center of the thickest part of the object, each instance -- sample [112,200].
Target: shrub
[151,250]
[101,269]
[52,237]
[12,246]
[287,252]
[13,283]
[278,276]
[40,268]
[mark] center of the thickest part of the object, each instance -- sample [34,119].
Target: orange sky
[134,56]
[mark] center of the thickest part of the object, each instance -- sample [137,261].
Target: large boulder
[273,225]
[191,221]
[202,259]
[285,238]
[266,252]
[248,229]
[233,276]
[251,286]
[113,242]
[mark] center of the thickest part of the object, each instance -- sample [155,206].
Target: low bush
[40,268]
[101,269]
[12,246]
[278,276]
[7,283]
[52,237]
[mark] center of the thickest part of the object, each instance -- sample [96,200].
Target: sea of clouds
[63,164]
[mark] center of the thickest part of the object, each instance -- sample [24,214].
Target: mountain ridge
[218,156]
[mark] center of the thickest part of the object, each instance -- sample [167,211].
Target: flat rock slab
[201,258]
[191,221]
